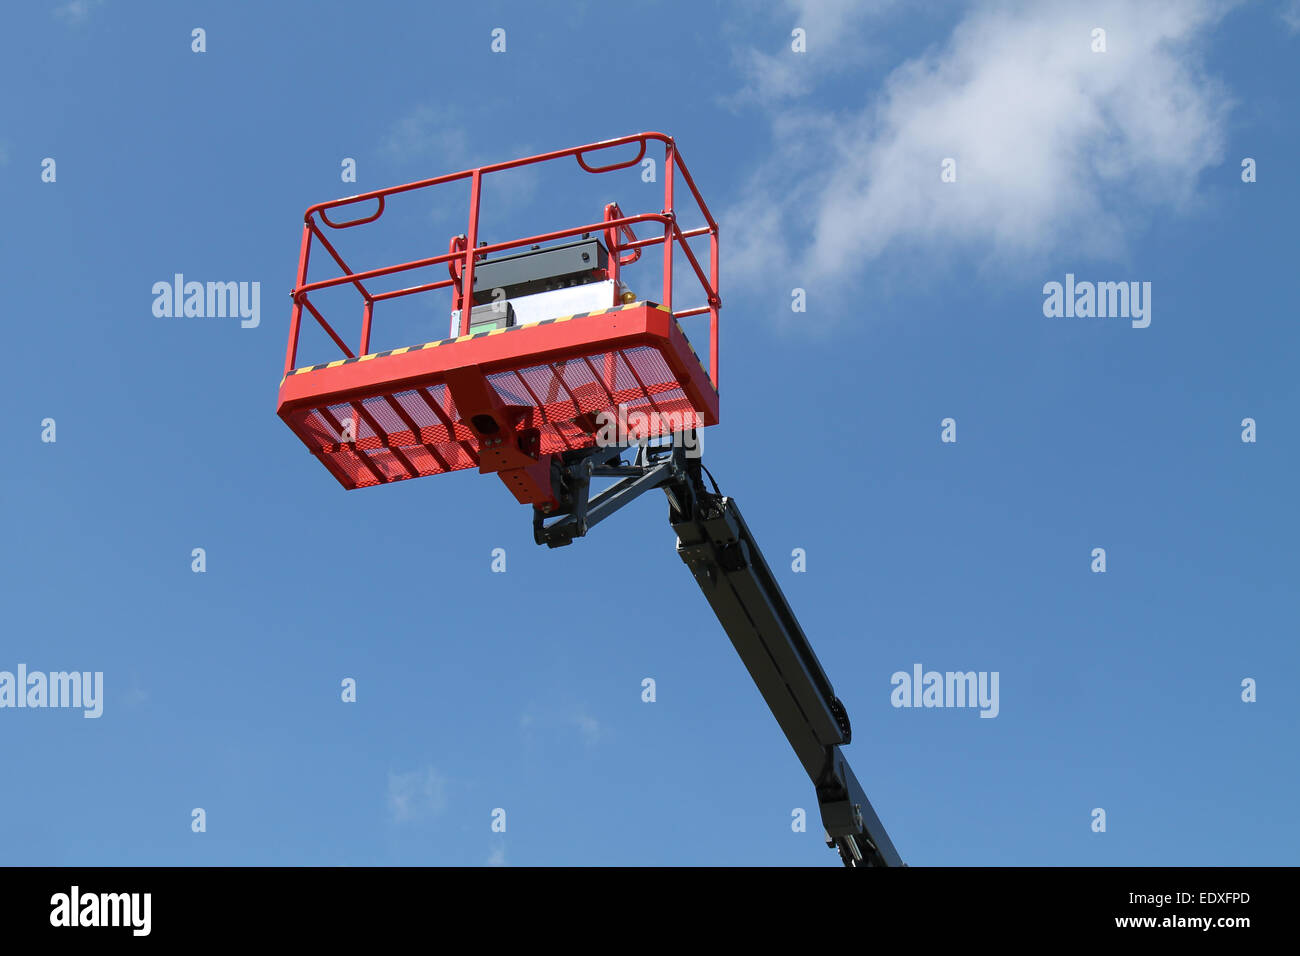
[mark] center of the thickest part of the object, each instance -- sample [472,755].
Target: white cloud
[76,11]
[416,795]
[429,133]
[435,139]
[591,730]
[1291,15]
[832,38]
[589,727]
[1057,147]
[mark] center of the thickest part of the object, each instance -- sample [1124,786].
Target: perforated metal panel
[382,433]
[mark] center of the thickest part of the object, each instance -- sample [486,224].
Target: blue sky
[522,690]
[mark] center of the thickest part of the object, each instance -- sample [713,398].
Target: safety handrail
[353,222]
[613,211]
[613,166]
[464,250]
[483,250]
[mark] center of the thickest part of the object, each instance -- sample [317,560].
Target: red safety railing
[624,247]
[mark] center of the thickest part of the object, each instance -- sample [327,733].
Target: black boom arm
[716,545]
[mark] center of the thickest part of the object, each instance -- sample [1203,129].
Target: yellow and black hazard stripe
[478,335]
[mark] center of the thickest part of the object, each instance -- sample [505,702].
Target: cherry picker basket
[548,352]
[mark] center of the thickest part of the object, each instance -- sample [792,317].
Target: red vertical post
[366,315]
[670,159]
[713,307]
[471,241]
[455,246]
[295,321]
[612,211]
[611,236]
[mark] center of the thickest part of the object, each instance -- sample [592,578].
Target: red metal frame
[503,402]
[464,250]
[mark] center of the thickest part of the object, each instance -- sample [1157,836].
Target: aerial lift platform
[552,371]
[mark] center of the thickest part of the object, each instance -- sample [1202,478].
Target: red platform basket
[506,400]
